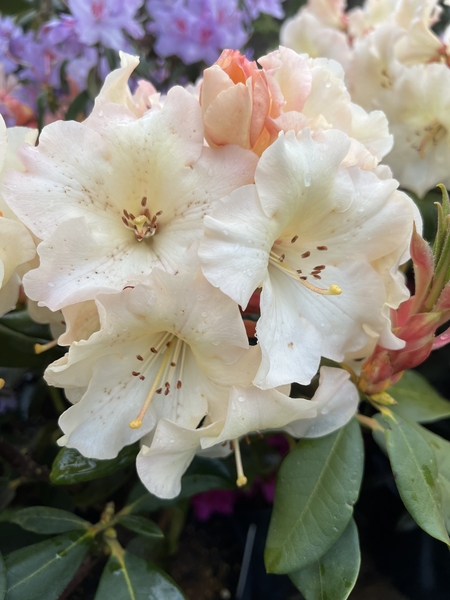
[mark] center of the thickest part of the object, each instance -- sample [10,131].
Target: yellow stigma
[136,424]
[241,478]
[40,348]
[241,481]
[333,290]
[2,383]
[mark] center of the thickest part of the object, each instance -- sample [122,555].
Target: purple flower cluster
[103,22]
[198,30]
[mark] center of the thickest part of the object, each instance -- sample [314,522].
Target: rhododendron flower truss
[168,348]
[116,196]
[165,455]
[307,232]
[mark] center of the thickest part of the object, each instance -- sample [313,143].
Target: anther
[125,221]
[172,364]
[40,348]
[294,239]
[144,201]
[316,276]
[126,214]
[282,257]
[158,391]
[160,212]
[322,248]
[306,254]
[299,271]
[241,478]
[179,384]
[135,373]
[142,377]
[139,357]
[303,278]
[319,268]
[154,350]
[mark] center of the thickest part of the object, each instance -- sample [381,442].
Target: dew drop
[51,284]
[100,113]
[307,178]
[241,399]
[328,84]
[325,410]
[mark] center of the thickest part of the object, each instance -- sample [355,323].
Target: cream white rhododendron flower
[114,201]
[396,63]
[17,246]
[248,106]
[167,348]
[166,454]
[307,233]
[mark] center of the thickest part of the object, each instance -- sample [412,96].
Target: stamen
[241,478]
[306,254]
[137,423]
[40,348]
[179,384]
[139,357]
[144,201]
[154,350]
[135,373]
[125,220]
[282,257]
[294,239]
[321,248]
[333,290]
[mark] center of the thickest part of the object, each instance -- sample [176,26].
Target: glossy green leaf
[415,470]
[42,571]
[141,525]
[46,520]
[72,467]
[317,486]
[2,578]
[334,575]
[418,400]
[128,577]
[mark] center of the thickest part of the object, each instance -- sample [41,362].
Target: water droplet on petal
[51,284]
[328,84]
[241,398]
[100,113]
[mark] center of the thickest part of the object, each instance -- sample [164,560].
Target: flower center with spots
[428,137]
[144,225]
[303,275]
[170,354]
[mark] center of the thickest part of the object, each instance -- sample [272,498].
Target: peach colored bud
[235,101]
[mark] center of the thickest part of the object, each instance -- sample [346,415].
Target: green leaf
[334,575]
[141,525]
[46,520]
[13,7]
[18,336]
[415,470]
[42,571]
[70,466]
[441,449]
[78,106]
[2,578]
[128,577]
[317,486]
[418,400]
